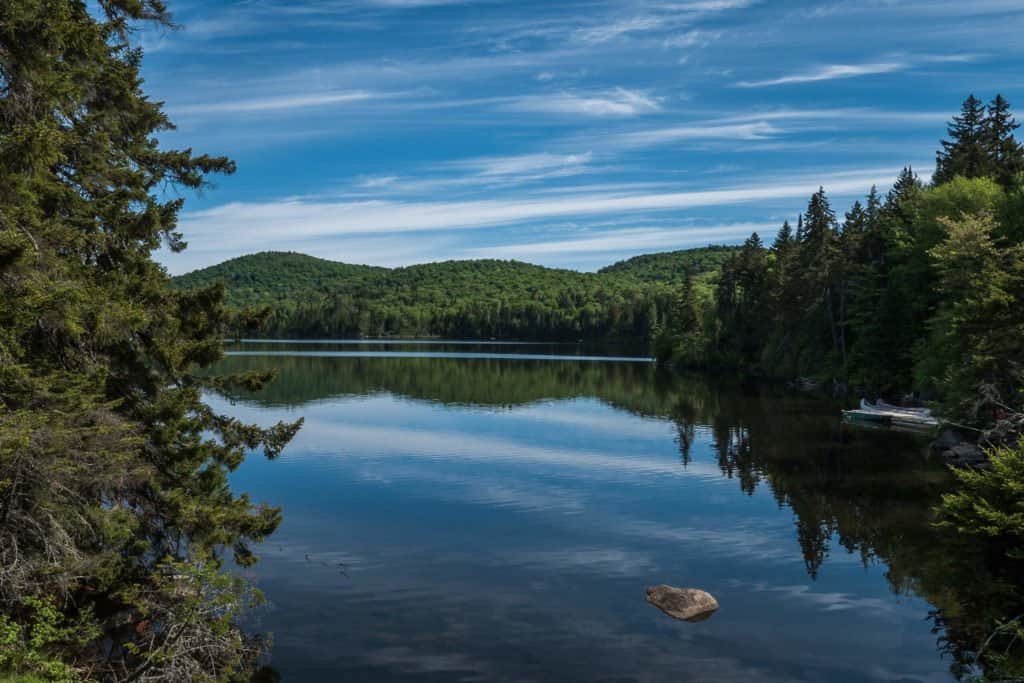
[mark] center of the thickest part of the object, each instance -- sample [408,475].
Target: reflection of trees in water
[870,493]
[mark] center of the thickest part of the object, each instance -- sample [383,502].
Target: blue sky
[569,134]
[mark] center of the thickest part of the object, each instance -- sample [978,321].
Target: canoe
[894,416]
[881,406]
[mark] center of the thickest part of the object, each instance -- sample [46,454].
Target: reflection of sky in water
[433,543]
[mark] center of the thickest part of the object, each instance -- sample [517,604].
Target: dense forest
[922,288]
[483,299]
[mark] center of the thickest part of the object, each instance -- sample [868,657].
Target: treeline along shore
[920,289]
[307,297]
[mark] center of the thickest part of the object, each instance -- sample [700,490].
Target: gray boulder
[688,604]
[965,454]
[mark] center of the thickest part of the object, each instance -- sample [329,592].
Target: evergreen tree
[819,222]
[1006,154]
[115,509]
[742,304]
[784,238]
[874,240]
[855,225]
[799,236]
[966,153]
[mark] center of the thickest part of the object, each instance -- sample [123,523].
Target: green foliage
[275,278]
[981,144]
[110,464]
[990,502]
[989,505]
[309,297]
[681,337]
[977,326]
[672,266]
[192,606]
[37,644]
[923,290]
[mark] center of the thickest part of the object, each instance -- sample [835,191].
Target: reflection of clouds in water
[511,492]
[825,600]
[757,540]
[590,416]
[603,561]
[576,532]
[359,449]
[361,441]
[400,456]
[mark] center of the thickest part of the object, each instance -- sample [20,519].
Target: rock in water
[688,604]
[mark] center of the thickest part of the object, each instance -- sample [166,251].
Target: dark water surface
[473,518]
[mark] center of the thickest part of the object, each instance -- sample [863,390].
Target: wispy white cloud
[521,163]
[612,103]
[278,103]
[692,38]
[840,115]
[622,241]
[603,33]
[829,72]
[965,58]
[709,5]
[661,136]
[272,224]
[374,182]
[480,172]
[941,8]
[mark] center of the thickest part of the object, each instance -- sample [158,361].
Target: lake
[474,512]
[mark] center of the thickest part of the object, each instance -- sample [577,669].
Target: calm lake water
[465,512]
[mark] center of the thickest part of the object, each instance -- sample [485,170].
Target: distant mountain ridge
[273,277]
[474,299]
[269,277]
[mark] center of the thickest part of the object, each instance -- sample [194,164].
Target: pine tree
[819,223]
[784,238]
[1005,153]
[799,236]
[818,258]
[898,214]
[865,284]
[114,496]
[966,152]
[681,338]
[856,222]
[874,241]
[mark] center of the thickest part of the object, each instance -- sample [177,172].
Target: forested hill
[271,277]
[476,299]
[672,266]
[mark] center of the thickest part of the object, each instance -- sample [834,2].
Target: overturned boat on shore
[885,414]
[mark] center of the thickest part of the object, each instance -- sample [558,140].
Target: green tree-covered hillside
[271,277]
[672,266]
[308,296]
